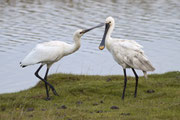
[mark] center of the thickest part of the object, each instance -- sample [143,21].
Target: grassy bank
[96,98]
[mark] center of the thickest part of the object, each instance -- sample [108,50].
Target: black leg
[45,78]
[37,75]
[135,93]
[125,81]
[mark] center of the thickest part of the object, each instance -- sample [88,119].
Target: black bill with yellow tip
[100,25]
[102,45]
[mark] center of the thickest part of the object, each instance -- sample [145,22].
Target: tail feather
[145,75]
[146,65]
[22,65]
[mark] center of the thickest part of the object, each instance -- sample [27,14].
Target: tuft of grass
[85,97]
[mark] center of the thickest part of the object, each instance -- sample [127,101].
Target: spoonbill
[50,52]
[127,53]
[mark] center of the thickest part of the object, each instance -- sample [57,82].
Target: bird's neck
[76,45]
[108,35]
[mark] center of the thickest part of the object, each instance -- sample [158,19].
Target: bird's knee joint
[36,74]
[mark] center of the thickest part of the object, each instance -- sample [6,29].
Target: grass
[84,97]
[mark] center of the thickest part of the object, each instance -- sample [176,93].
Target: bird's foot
[54,91]
[48,98]
[122,97]
[134,95]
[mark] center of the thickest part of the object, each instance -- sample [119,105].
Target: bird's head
[109,24]
[110,21]
[79,33]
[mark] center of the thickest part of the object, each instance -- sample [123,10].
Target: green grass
[91,98]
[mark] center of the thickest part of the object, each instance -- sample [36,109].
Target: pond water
[155,24]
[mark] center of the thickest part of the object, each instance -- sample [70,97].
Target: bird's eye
[110,22]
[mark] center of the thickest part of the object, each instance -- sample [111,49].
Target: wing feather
[42,53]
[128,53]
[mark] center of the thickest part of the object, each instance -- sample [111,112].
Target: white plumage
[51,52]
[48,53]
[127,53]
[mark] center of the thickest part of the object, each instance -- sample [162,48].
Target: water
[155,24]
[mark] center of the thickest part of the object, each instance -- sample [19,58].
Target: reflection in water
[155,24]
